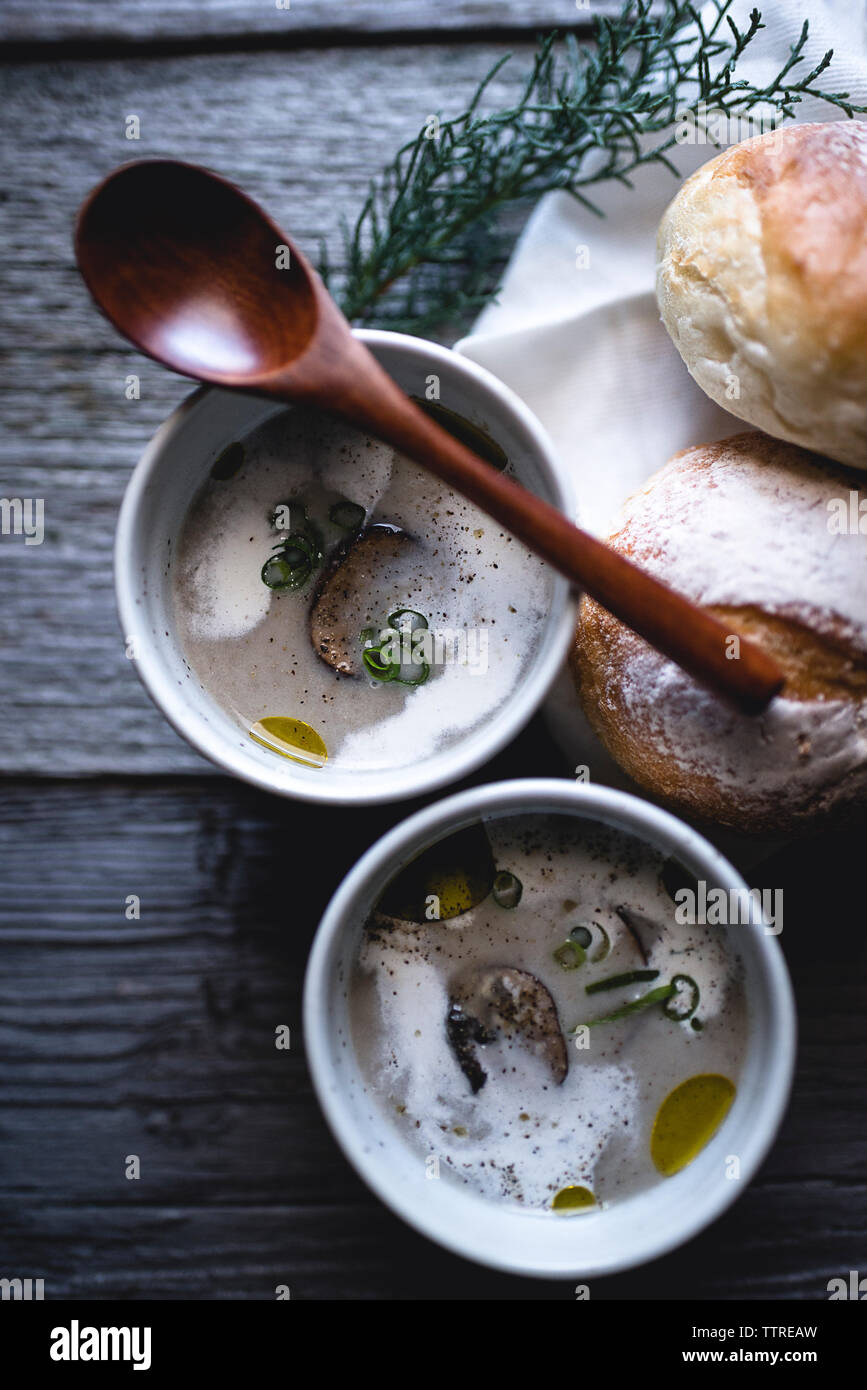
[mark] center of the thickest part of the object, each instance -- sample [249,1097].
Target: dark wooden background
[155,1037]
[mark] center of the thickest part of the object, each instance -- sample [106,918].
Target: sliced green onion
[287,570]
[656,996]
[604,946]
[674,1008]
[306,540]
[296,552]
[349,516]
[423,673]
[293,560]
[507,889]
[570,955]
[385,668]
[377,666]
[630,977]
[418,620]
[584,936]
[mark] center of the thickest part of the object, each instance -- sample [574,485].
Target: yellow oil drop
[574,1198]
[457,892]
[291,738]
[687,1119]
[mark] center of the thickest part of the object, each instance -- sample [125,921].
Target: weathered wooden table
[154,1037]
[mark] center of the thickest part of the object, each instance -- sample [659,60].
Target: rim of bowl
[542,796]
[450,764]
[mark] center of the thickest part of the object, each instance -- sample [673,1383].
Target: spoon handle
[682,630]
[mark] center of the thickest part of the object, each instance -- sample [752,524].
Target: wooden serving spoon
[194,273]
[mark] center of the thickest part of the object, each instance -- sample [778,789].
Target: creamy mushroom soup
[344,605]
[529,1012]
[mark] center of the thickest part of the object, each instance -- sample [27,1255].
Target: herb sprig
[429,245]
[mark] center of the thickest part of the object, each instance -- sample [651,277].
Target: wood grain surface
[332,21]
[155,1037]
[303,136]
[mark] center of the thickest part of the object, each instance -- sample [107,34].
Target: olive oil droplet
[574,1198]
[292,739]
[688,1119]
[457,893]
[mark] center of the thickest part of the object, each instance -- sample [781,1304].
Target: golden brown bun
[769,538]
[762,284]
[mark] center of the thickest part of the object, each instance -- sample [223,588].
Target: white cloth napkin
[576,332]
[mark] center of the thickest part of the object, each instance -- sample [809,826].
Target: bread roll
[769,538]
[762,284]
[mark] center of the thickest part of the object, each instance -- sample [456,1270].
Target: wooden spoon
[195,274]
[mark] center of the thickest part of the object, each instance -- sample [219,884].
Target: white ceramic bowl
[164,483]
[628,1232]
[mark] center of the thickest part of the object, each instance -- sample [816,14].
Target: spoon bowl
[154,245]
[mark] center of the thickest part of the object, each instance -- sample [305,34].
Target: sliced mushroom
[646,932]
[346,597]
[504,1001]
[629,922]
[463,1032]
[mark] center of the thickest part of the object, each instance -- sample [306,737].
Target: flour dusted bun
[762,284]
[767,537]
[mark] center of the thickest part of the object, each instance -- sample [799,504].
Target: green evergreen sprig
[428,247]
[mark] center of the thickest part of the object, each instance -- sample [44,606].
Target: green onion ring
[416,626]
[507,890]
[604,947]
[279,573]
[424,672]
[570,955]
[303,540]
[695,994]
[376,667]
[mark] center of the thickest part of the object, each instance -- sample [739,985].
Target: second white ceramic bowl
[501,1235]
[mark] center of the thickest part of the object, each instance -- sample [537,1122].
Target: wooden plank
[155,1037]
[303,133]
[152,21]
[355,1249]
